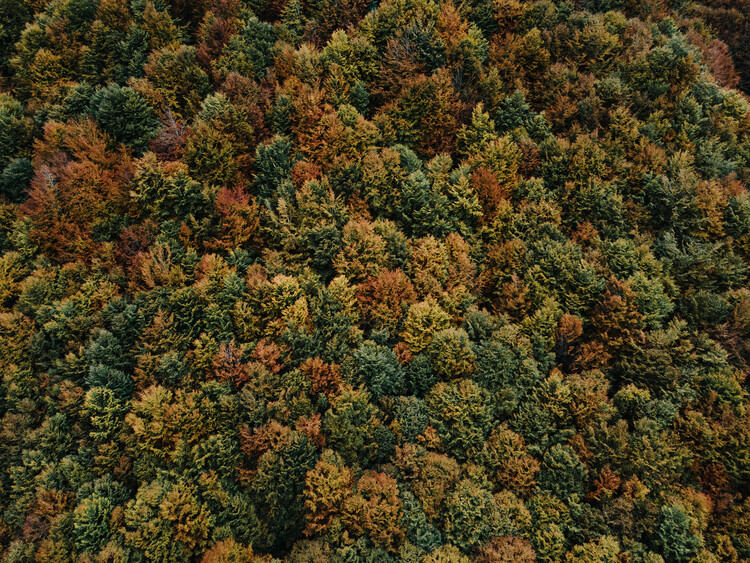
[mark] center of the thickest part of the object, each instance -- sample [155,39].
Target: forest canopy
[374,281]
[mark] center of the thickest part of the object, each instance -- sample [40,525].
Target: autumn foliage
[384,281]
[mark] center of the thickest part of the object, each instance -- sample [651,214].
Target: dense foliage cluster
[374,281]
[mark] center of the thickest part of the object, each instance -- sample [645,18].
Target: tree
[175,80]
[446,554]
[461,415]
[379,368]
[417,528]
[336,318]
[502,157]
[13,17]
[273,164]
[167,522]
[351,425]
[239,220]
[324,378]
[425,114]
[375,509]
[327,487]
[507,372]
[169,197]
[505,549]
[111,378]
[562,472]
[423,321]
[548,541]
[410,416]
[385,298]
[232,121]
[91,518]
[15,180]
[432,476]
[511,466]
[278,489]
[104,413]
[248,52]
[676,536]
[474,139]
[363,251]
[125,115]
[210,156]
[452,354]
[605,549]
[229,551]
[15,130]
[667,69]
[470,517]
[79,199]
